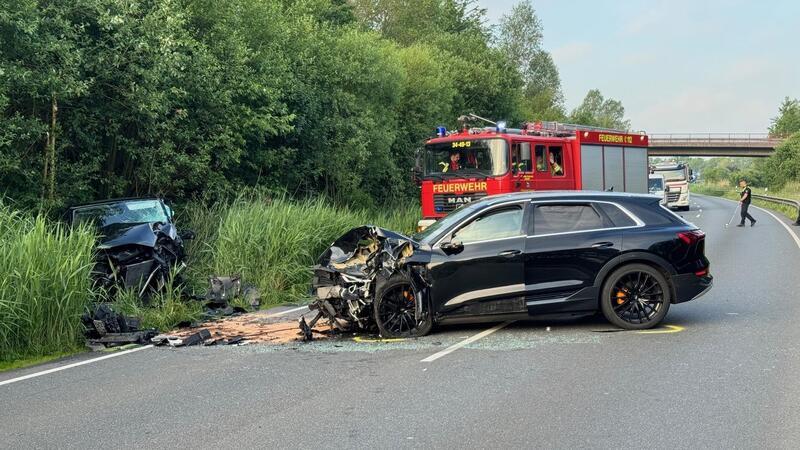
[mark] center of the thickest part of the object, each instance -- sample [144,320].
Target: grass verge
[44,285]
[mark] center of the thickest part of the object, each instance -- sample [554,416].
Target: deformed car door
[567,245]
[479,268]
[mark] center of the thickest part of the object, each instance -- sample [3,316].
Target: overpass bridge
[756,145]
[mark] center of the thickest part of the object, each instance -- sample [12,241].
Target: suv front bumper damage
[347,274]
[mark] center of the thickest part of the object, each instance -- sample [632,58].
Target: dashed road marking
[466,341]
[666,329]
[70,366]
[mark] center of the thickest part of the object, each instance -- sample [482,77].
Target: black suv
[524,254]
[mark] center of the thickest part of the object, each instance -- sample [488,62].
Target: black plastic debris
[103,325]
[175,341]
[222,291]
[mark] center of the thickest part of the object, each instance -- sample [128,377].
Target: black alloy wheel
[396,310]
[635,297]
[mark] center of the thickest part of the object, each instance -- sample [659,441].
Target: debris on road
[103,325]
[347,274]
[223,290]
[246,329]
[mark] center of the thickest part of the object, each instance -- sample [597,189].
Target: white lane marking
[466,341]
[788,230]
[70,366]
[283,313]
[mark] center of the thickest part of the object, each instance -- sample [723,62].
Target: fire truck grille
[673,196]
[445,203]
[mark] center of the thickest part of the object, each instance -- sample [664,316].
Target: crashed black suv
[511,256]
[139,245]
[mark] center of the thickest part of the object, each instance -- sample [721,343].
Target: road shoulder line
[70,366]
[466,341]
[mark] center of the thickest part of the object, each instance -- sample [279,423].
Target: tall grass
[44,285]
[273,242]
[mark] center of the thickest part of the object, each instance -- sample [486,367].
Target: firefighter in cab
[453,165]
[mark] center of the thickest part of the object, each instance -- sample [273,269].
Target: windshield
[128,212]
[655,184]
[481,157]
[430,234]
[673,175]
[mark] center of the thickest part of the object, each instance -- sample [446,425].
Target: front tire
[635,297]
[396,303]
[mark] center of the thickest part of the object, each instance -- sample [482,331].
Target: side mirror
[188,235]
[452,247]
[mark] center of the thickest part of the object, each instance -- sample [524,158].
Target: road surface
[724,374]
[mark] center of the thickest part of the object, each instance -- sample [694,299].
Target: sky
[677,66]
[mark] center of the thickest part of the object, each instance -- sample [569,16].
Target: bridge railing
[746,140]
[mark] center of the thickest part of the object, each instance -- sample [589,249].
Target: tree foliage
[601,112]
[788,120]
[185,98]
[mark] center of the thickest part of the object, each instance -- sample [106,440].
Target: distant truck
[676,176]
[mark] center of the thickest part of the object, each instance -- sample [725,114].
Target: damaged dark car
[139,245]
[544,254]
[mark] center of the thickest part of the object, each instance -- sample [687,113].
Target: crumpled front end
[346,275]
[141,258]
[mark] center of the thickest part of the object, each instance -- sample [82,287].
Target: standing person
[744,203]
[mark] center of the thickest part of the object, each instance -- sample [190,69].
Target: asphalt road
[724,375]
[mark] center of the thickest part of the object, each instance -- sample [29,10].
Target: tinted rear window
[651,213]
[555,218]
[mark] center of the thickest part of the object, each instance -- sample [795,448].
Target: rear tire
[635,297]
[395,309]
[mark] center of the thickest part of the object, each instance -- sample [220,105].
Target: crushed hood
[143,234]
[354,252]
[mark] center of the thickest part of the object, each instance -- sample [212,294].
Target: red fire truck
[463,166]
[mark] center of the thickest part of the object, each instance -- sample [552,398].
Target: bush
[44,285]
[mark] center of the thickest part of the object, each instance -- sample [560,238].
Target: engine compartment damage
[347,276]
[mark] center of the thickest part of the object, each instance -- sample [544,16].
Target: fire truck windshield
[480,157]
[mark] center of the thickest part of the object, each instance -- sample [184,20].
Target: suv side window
[564,218]
[496,224]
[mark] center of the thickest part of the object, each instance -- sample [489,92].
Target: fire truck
[459,167]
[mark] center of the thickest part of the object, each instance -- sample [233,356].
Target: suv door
[568,243]
[487,274]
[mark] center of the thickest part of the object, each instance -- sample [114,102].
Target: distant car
[656,186]
[139,245]
[519,255]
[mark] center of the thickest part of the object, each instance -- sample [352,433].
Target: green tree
[788,120]
[601,112]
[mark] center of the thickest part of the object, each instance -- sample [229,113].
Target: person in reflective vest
[453,165]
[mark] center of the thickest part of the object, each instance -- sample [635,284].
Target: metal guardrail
[745,140]
[781,201]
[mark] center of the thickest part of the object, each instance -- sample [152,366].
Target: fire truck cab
[464,166]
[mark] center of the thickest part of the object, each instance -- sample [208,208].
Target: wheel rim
[637,297]
[397,310]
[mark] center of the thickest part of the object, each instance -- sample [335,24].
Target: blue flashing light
[501,126]
[441,131]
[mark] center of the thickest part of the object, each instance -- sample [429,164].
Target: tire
[395,308]
[623,301]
